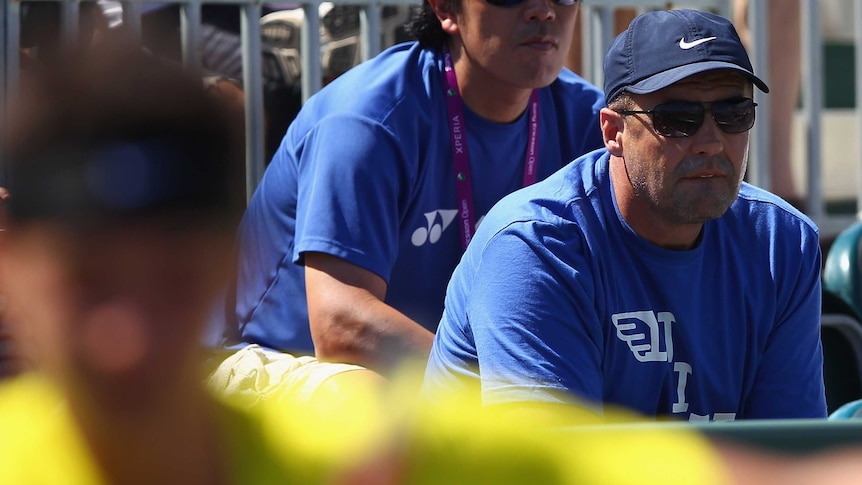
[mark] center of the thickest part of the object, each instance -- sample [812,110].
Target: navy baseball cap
[663,47]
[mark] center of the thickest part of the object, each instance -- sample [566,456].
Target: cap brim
[671,76]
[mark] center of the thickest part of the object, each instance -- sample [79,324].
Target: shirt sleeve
[532,315]
[353,177]
[789,378]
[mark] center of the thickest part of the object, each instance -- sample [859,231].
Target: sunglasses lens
[677,120]
[736,116]
[681,119]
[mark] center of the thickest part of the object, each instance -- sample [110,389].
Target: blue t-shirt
[557,296]
[365,173]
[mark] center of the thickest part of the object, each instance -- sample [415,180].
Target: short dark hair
[113,134]
[622,101]
[425,26]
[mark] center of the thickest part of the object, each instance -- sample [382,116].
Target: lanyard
[458,138]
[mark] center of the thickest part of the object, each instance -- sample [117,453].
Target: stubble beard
[677,204]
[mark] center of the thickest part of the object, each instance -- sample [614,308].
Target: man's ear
[446,15]
[613,127]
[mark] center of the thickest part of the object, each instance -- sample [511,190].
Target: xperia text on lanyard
[458,138]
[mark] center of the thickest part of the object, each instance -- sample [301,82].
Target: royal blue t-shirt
[365,173]
[557,297]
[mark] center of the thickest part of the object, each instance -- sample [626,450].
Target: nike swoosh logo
[688,45]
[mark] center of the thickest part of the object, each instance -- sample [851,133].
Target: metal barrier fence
[596,35]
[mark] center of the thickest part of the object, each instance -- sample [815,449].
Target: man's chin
[697,210]
[542,81]
[709,213]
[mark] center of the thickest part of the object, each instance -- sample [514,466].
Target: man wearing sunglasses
[648,274]
[350,239]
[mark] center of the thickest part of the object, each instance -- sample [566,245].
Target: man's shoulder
[393,91]
[754,201]
[578,179]
[552,199]
[575,104]
[767,220]
[399,60]
[569,83]
[398,73]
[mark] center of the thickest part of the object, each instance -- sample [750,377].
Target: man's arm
[789,381]
[350,321]
[536,338]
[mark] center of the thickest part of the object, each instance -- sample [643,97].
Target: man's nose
[540,10]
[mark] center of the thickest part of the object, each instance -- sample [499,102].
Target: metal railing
[597,34]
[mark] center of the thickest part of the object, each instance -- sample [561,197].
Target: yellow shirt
[372,434]
[40,443]
[461,442]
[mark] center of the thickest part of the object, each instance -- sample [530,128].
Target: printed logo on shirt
[649,336]
[640,330]
[438,221]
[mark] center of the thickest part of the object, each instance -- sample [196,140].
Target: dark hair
[622,101]
[114,135]
[425,26]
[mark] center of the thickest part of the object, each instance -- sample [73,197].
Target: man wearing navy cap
[647,274]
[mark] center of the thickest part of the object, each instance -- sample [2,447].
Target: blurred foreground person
[121,219]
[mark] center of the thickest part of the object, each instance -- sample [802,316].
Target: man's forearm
[377,337]
[350,322]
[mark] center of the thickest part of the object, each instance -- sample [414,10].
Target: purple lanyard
[458,137]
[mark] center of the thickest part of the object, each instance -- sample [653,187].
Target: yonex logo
[436,226]
[688,45]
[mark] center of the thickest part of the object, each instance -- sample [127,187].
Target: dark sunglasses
[512,3]
[679,119]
